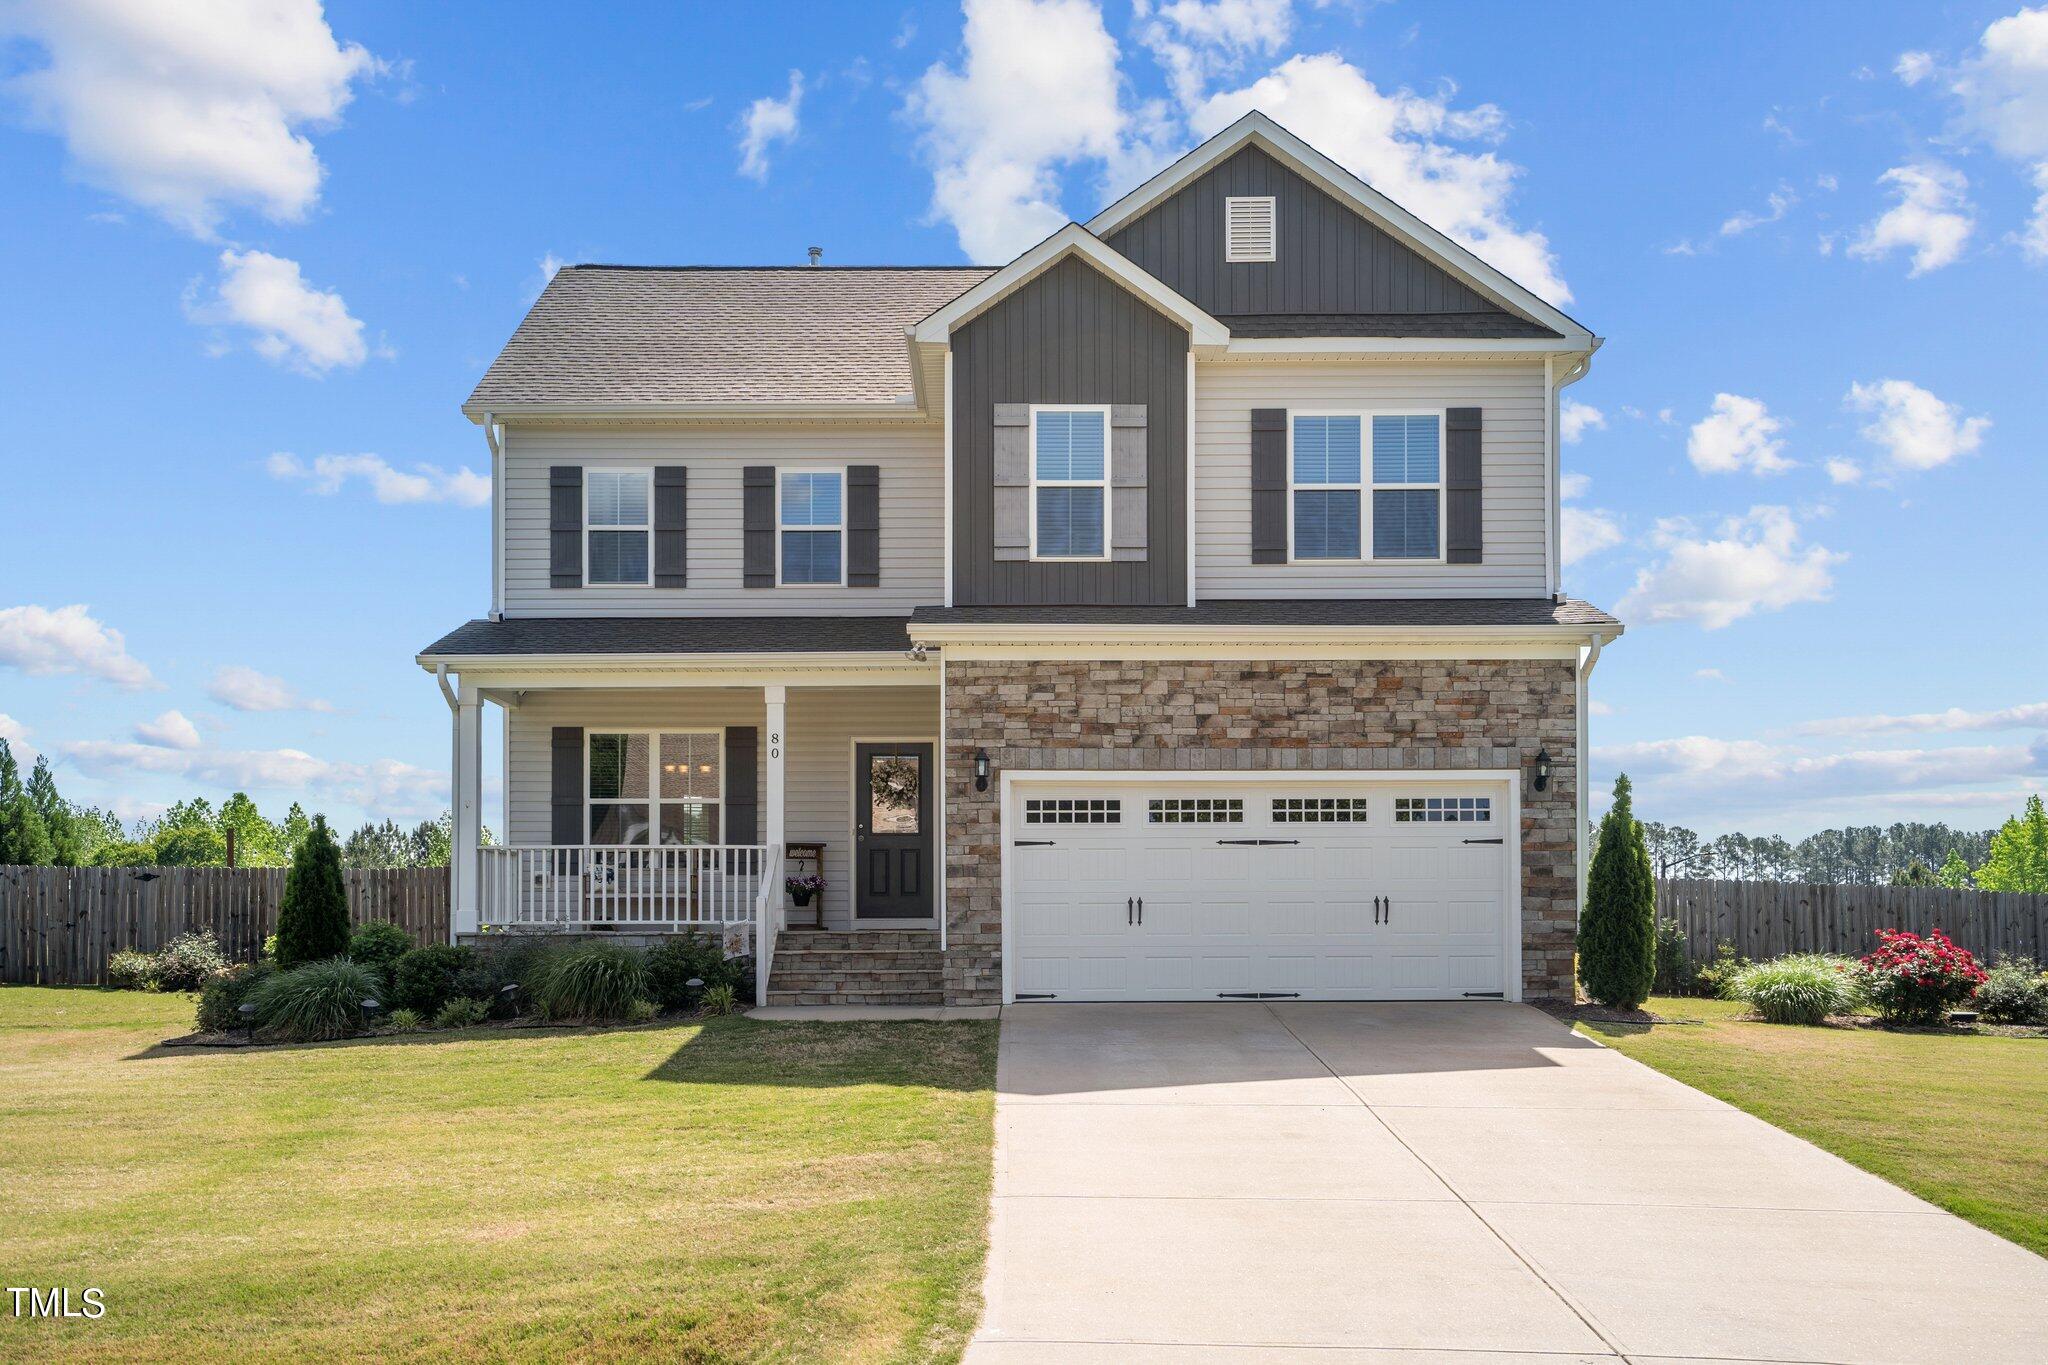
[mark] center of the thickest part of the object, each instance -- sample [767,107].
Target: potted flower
[801,889]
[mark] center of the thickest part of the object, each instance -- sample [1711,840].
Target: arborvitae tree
[2019,854]
[312,924]
[1915,873]
[1618,927]
[1955,873]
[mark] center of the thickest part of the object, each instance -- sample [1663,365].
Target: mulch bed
[1602,1014]
[239,1038]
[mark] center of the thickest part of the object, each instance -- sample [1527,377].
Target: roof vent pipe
[817,254]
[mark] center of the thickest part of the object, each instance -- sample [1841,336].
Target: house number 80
[774,744]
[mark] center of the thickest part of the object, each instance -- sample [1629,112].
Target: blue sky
[263,250]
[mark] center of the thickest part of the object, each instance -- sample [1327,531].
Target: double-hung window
[811,524]
[1070,483]
[617,509]
[654,786]
[1366,486]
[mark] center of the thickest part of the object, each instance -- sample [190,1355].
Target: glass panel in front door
[895,785]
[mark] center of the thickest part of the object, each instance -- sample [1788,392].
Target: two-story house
[1171,613]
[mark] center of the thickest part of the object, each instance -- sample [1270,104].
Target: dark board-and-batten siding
[1328,258]
[1072,335]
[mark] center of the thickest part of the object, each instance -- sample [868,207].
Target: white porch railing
[671,886]
[768,917]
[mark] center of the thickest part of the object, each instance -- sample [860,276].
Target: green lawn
[697,1192]
[1960,1121]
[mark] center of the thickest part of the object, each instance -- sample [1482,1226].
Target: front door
[892,831]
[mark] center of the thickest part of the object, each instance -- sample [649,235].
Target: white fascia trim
[982,633]
[1071,240]
[1488,348]
[883,667]
[1258,127]
[898,410]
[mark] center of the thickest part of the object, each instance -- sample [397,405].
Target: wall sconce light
[981,770]
[1542,769]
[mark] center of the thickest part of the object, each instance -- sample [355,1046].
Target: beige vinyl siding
[1509,392]
[911,457]
[823,725]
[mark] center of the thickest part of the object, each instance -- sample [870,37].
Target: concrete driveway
[1258,1182]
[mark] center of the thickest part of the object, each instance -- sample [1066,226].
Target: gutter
[1586,665]
[895,409]
[957,633]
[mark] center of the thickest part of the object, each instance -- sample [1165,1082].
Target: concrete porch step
[845,961]
[858,997]
[841,940]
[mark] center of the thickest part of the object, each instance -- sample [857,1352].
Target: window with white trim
[618,510]
[1073,810]
[811,526]
[1196,810]
[1432,810]
[1249,223]
[662,783]
[1069,482]
[1319,810]
[1350,500]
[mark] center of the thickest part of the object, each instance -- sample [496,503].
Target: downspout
[494,437]
[1553,468]
[1586,664]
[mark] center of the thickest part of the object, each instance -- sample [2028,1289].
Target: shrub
[1914,980]
[317,1001]
[129,970]
[590,981]
[189,961]
[1799,988]
[719,1000]
[312,923]
[514,961]
[405,1021]
[1617,931]
[1675,974]
[2014,992]
[678,959]
[1716,980]
[461,1012]
[642,1011]
[220,1002]
[424,978]
[379,946]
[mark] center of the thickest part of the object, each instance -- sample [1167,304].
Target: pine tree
[1955,872]
[1617,928]
[312,924]
[2019,853]
[1915,873]
[55,814]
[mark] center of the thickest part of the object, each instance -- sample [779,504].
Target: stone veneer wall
[1405,714]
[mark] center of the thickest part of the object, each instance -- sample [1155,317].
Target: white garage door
[1183,891]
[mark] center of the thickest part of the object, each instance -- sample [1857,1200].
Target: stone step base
[786,961]
[840,940]
[933,997]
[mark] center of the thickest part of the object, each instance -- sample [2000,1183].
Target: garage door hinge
[1258,843]
[1030,843]
[1485,995]
[1483,841]
[1022,996]
[1258,995]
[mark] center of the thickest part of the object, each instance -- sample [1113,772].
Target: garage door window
[1196,810]
[1318,810]
[1419,810]
[1066,810]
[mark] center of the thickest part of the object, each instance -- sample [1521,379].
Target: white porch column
[777,697]
[467,779]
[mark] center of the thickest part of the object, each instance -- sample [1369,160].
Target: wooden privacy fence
[1765,919]
[59,925]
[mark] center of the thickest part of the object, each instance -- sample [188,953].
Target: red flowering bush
[1915,980]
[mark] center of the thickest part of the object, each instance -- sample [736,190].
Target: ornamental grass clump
[1799,988]
[316,1002]
[1915,980]
[597,981]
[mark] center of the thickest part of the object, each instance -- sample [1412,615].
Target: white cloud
[1915,429]
[1749,564]
[171,730]
[245,689]
[1037,89]
[2003,86]
[1587,530]
[1710,675]
[1751,774]
[188,108]
[382,786]
[1955,720]
[42,643]
[1575,419]
[768,121]
[1931,219]
[1843,471]
[1739,434]
[1913,67]
[2034,241]
[1195,41]
[1779,203]
[309,330]
[1404,145]
[1599,708]
[16,734]
[328,474]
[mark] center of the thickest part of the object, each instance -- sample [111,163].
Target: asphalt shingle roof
[674,635]
[616,336]
[1361,611]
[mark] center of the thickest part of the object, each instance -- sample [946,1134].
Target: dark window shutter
[757,520]
[742,785]
[566,788]
[1269,485]
[864,526]
[1463,495]
[671,526]
[565,526]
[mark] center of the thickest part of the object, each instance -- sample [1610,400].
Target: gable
[1328,258]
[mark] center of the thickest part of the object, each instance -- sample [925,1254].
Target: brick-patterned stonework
[1406,714]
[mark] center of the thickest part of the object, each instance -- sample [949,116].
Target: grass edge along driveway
[723,1190]
[1956,1119]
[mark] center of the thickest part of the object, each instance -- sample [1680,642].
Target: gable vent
[1248,228]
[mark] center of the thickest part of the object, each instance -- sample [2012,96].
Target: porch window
[812,526]
[616,511]
[643,781]
[1069,483]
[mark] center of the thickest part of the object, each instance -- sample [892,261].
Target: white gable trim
[1347,188]
[1071,240]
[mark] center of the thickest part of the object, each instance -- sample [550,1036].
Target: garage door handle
[1129,916]
[1389,912]
[1141,910]
[1375,909]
